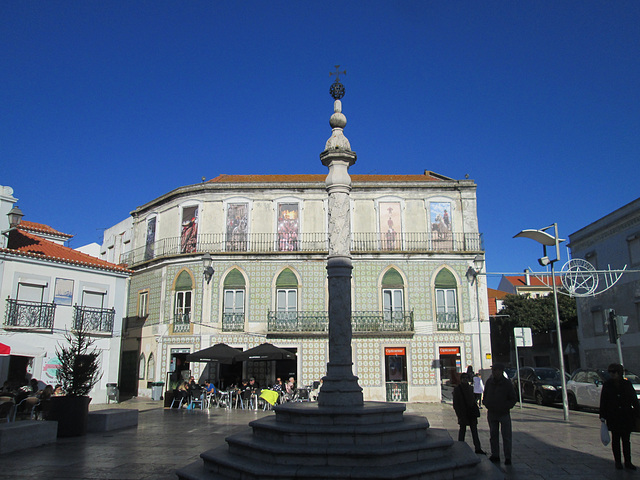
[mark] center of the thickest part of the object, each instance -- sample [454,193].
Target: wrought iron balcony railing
[233,322]
[447,322]
[306,242]
[361,322]
[181,322]
[93,320]
[29,315]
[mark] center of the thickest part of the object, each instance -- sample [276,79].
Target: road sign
[523,336]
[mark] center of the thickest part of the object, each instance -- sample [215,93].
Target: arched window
[151,367]
[183,298]
[446,301]
[392,295]
[287,295]
[141,367]
[233,302]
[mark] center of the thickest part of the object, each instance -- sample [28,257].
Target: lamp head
[544,261]
[15,216]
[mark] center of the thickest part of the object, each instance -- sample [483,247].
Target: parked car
[511,372]
[585,386]
[540,384]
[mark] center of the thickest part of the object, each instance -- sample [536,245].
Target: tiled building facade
[415,315]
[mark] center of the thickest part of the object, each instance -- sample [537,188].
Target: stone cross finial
[337,73]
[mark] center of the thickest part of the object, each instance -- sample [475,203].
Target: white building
[46,288]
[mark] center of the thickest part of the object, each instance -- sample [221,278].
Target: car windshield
[549,374]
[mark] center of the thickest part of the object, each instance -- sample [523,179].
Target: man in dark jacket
[619,407]
[499,398]
[466,408]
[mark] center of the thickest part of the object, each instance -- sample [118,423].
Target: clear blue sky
[107,105]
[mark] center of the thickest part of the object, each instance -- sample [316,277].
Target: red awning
[5,349]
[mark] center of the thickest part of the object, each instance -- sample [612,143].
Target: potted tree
[78,373]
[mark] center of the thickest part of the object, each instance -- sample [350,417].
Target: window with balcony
[392,295]
[286,297]
[233,302]
[28,310]
[447,318]
[183,302]
[93,315]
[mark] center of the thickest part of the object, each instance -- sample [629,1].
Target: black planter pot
[71,413]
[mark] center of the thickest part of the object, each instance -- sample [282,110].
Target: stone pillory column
[340,386]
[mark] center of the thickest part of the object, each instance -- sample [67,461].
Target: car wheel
[573,404]
[539,399]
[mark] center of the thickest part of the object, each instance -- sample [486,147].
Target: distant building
[528,284]
[612,241]
[47,289]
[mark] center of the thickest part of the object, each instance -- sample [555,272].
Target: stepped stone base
[369,441]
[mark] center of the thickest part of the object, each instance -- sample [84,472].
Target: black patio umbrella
[266,351]
[220,352]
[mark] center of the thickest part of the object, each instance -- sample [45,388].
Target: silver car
[585,386]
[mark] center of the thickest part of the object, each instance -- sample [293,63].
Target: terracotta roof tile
[30,245]
[40,228]
[315,178]
[534,281]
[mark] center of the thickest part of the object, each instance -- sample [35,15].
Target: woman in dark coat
[466,408]
[619,407]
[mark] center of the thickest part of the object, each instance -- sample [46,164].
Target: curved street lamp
[548,240]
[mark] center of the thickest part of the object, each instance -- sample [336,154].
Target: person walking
[619,407]
[467,412]
[478,388]
[499,398]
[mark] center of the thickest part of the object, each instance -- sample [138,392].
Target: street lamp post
[548,240]
[472,276]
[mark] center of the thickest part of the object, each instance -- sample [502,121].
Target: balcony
[233,322]
[363,323]
[274,243]
[182,323]
[447,322]
[93,320]
[24,315]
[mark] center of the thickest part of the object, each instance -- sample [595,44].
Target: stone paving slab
[545,447]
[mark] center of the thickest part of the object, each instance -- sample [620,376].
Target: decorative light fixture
[15,216]
[208,269]
[548,240]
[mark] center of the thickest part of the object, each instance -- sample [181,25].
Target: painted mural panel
[63,294]
[151,238]
[189,236]
[288,226]
[390,225]
[441,224]
[237,226]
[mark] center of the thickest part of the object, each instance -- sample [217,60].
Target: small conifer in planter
[78,373]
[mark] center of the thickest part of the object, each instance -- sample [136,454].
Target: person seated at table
[209,387]
[57,391]
[278,386]
[315,391]
[182,392]
[253,385]
[290,389]
[41,409]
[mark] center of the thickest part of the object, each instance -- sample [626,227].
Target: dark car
[540,384]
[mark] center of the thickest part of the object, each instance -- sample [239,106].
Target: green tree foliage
[538,313]
[79,367]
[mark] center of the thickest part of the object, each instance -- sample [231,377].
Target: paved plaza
[545,447]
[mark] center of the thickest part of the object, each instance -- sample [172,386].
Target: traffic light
[621,324]
[610,316]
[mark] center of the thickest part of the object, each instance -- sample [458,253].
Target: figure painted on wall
[288,227]
[189,237]
[237,227]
